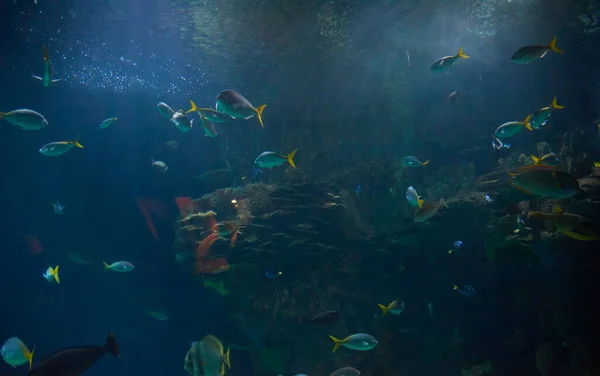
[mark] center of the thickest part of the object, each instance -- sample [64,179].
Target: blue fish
[487,198]
[466,290]
[412,161]
[358,190]
[272,275]
[457,244]
[58,207]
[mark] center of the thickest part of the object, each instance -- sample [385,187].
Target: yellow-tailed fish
[545,181]
[395,308]
[208,127]
[108,122]
[446,62]
[428,210]
[569,224]
[545,157]
[181,121]
[48,70]
[511,128]
[52,274]
[235,105]
[413,197]
[359,342]
[412,161]
[527,54]
[27,119]
[15,352]
[540,117]
[209,113]
[54,149]
[270,159]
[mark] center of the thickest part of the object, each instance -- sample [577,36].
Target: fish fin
[442,202]
[553,47]
[337,343]
[535,159]
[227,361]
[259,111]
[420,202]
[37,77]
[461,54]
[106,266]
[527,124]
[112,346]
[384,309]
[455,287]
[425,163]
[76,142]
[223,369]
[556,105]
[557,209]
[290,158]
[46,58]
[56,80]
[29,356]
[55,274]
[194,107]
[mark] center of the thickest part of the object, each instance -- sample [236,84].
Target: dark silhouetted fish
[323,318]
[74,361]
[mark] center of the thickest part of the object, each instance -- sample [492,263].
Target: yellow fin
[384,309]
[106,266]
[227,358]
[553,47]
[194,107]
[420,202]
[527,123]
[259,111]
[290,158]
[536,160]
[425,163]
[29,356]
[455,287]
[76,142]
[337,343]
[556,105]
[557,209]
[55,274]
[461,54]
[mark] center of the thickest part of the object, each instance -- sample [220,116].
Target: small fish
[407,57]
[509,129]
[172,144]
[160,166]
[235,105]
[428,210]
[182,122]
[108,122]
[74,361]
[413,197]
[569,224]
[270,159]
[58,207]
[394,308]
[48,70]
[545,181]
[209,113]
[164,109]
[323,318]
[411,161]
[456,246]
[527,54]
[208,127]
[498,145]
[119,266]
[453,96]
[52,274]
[487,198]
[346,371]
[158,314]
[28,120]
[466,290]
[272,275]
[446,62]
[359,341]
[540,117]
[15,352]
[358,190]
[55,149]
[430,310]
[78,259]
[538,161]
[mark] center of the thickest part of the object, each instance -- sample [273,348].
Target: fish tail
[553,47]
[106,266]
[461,54]
[55,274]
[384,309]
[29,356]
[194,107]
[455,287]
[259,111]
[337,343]
[556,105]
[222,369]
[420,202]
[536,160]
[424,163]
[45,52]
[527,124]
[76,142]
[112,346]
[290,158]
[227,361]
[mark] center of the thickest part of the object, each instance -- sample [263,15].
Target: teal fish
[160,166]
[208,127]
[235,105]
[209,113]
[15,353]
[52,274]
[108,122]
[119,266]
[346,371]
[28,120]
[540,117]
[446,62]
[48,70]
[54,149]
[214,357]
[413,197]
[527,54]
[411,161]
[158,314]
[394,308]
[359,342]
[509,129]
[270,159]
[545,181]
[164,109]
[181,121]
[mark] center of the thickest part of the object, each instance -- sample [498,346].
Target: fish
[181,121]
[487,198]
[466,290]
[215,359]
[108,122]
[545,181]
[58,207]
[52,274]
[27,119]
[208,127]
[48,70]
[430,310]
[498,145]
[209,113]
[323,318]
[270,159]
[453,96]
[446,62]
[165,110]
[538,161]
[527,54]
[74,361]
[15,353]
[78,259]
[455,247]
[428,210]
[119,266]
[346,371]
[411,161]
[160,166]
[572,225]
[359,342]
[232,103]
[55,149]
[358,190]
[172,144]
[158,314]
[273,275]
[395,308]
[596,164]
[413,197]
[509,129]
[540,117]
